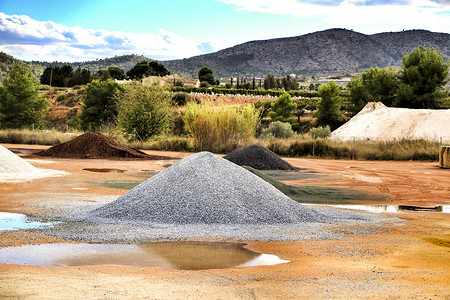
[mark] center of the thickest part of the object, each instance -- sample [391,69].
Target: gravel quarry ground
[355,255]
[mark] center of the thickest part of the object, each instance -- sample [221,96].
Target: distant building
[123,81]
[171,80]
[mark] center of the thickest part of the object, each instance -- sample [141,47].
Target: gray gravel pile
[205,189]
[259,158]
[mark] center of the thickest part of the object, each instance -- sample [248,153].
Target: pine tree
[20,101]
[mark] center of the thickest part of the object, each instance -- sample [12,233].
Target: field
[407,257]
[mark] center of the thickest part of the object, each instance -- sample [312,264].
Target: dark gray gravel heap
[205,189]
[259,158]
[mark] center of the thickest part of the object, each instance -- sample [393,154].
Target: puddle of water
[12,221]
[117,184]
[393,208]
[167,255]
[99,170]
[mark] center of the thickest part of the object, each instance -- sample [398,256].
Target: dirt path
[411,261]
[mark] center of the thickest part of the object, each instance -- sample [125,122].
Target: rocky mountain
[334,51]
[329,52]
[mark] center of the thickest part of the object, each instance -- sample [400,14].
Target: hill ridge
[327,52]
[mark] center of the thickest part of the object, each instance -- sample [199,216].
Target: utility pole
[51,74]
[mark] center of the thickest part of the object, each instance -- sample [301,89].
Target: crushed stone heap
[205,189]
[94,145]
[12,163]
[259,158]
[13,167]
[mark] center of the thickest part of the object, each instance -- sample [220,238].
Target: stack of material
[444,157]
[378,122]
[14,168]
[206,189]
[259,158]
[95,145]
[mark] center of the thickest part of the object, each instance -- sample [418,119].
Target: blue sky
[89,29]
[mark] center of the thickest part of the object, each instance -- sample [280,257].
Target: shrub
[179,99]
[204,84]
[220,128]
[320,132]
[278,129]
[144,111]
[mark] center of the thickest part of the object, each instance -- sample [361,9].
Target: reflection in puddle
[167,255]
[99,170]
[12,221]
[394,208]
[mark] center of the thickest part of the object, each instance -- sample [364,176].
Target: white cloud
[368,16]
[30,39]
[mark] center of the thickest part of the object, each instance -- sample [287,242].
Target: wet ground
[409,261]
[167,255]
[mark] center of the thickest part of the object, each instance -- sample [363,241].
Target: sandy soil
[412,261]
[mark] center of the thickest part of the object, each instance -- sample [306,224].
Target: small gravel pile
[259,158]
[12,168]
[95,145]
[205,189]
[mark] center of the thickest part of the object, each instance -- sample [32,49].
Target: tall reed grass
[221,128]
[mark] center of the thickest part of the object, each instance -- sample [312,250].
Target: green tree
[422,78]
[206,74]
[20,100]
[102,75]
[329,106]
[99,104]
[158,69]
[269,82]
[283,108]
[144,69]
[374,85]
[289,83]
[116,73]
[144,111]
[140,70]
[65,76]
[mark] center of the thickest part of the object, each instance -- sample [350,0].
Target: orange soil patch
[398,262]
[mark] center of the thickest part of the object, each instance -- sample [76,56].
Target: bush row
[215,90]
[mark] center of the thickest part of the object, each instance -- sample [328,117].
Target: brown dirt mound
[95,145]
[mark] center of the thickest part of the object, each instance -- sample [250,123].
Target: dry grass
[297,146]
[40,137]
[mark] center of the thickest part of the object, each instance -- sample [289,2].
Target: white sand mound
[14,168]
[378,122]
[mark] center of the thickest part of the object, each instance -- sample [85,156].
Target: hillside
[124,62]
[334,51]
[7,62]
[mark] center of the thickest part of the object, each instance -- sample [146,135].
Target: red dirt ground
[411,261]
